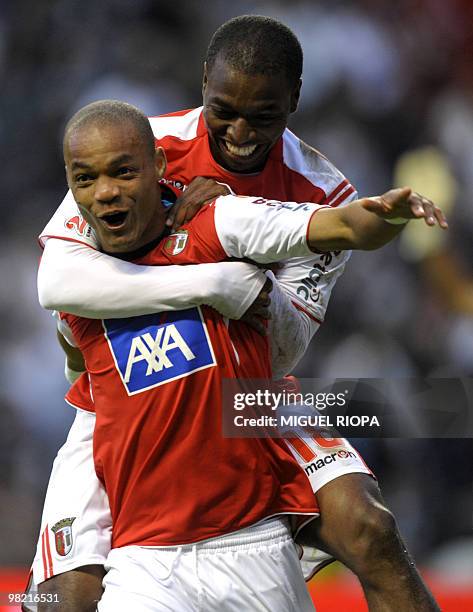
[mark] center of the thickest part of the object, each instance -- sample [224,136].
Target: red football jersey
[294,171]
[171,476]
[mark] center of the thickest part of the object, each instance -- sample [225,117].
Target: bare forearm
[370,223]
[351,227]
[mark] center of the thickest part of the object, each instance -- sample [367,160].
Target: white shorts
[254,569]
[76,525]
[76,521]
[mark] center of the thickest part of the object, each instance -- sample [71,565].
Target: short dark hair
[111,112]
[254,44]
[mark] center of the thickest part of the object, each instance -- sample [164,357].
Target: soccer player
[172,479]
[251,84]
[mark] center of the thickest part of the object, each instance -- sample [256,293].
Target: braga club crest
[63,535]
[176,242]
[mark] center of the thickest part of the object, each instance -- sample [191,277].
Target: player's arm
[290,331]
[300,298]
[267,231]
[74,363]
[77,279]
[370,223]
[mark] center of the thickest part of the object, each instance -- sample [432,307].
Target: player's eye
[126,172]
[264,120]
[83,178]
[222,113]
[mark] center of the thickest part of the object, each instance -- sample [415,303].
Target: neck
[142,250]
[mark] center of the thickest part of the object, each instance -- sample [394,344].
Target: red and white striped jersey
[171,476]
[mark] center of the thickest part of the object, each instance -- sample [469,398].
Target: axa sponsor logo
[155,349]
[79,225]
[63,537]
[342,454]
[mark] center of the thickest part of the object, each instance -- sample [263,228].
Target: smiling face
[245,114]
[114,178]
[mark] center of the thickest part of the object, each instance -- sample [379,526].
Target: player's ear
[160,162]
[205,79]
[295,95]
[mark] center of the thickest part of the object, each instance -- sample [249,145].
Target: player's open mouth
[240,151]
[114,220]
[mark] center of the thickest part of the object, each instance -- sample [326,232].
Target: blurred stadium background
[388,97]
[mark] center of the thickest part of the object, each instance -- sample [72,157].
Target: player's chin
[118,243]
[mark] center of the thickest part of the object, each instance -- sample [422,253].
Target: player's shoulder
[184,125]
[307,161]
[68,225]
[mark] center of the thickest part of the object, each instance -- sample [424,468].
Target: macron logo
[155,349]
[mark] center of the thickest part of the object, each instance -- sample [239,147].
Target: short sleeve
[263,230]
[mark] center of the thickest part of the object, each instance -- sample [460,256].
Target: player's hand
[199,191]
[75,359]
[406,204]
[258,312]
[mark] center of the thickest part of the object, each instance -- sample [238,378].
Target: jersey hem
[311,514]
[81,408]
